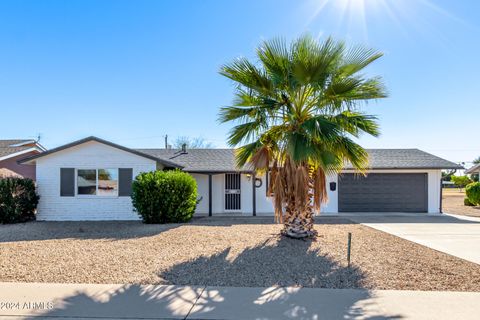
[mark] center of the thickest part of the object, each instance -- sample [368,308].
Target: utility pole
[166,141]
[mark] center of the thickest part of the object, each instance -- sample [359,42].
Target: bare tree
[192,143]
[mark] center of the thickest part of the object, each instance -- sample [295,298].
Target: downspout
[254,195]
[441,193]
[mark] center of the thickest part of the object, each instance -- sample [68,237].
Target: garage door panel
[383,192]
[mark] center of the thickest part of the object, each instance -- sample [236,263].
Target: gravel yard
[453,203]
[225,252]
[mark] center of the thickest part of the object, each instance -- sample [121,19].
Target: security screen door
[232,192]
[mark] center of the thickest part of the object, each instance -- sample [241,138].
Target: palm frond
[352,152]
[321,127]
[244,132]
[356,122]
[347,93]
[247,74]
[245,153]
[312,63]
[275,57]
[357,58]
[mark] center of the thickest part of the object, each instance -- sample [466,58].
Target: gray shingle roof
[475,168]
[221,160]
[198,160]
[7,147]
[406,159]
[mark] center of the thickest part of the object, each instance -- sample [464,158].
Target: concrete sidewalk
[456,235]
[92,301]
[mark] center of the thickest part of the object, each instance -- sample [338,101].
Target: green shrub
[18,200]
[164,196]
[461,181]
[473,193]
[467,203]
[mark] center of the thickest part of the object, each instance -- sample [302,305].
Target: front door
[232,192]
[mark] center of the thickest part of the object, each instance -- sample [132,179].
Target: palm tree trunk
[300,225]
[299,221]
[295,197]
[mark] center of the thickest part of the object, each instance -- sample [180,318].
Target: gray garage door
[383,192]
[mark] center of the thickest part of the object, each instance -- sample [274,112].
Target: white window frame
[96,195]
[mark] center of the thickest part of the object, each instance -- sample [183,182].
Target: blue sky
[133,71]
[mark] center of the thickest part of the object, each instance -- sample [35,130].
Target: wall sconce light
[333,186]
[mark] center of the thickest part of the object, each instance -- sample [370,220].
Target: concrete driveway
[456,235]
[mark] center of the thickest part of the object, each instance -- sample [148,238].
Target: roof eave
[29,160]
[19,153]
[411,168]
[474,169]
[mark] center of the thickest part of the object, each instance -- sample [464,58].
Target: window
[87,181]
[107,182]
[101,182]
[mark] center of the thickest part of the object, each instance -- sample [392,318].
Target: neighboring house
[90,179]
[13,150]
[474,169]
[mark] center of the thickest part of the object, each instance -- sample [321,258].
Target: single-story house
[11,151]
[90,179]
[474,169]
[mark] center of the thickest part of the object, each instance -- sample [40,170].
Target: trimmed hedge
[473,193]
[18,200]
[164,196]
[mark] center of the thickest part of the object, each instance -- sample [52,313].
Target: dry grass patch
[224,252]
[453,203]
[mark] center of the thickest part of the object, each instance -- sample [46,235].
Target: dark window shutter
[125,176]
[67,182]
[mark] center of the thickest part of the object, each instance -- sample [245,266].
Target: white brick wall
[88,155]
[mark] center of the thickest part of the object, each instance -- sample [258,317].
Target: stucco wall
[90,155]
[25,170]
[202,189]
[265,206]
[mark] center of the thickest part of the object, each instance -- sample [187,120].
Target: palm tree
[297,115]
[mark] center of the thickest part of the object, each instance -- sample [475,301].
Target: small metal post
[349,247]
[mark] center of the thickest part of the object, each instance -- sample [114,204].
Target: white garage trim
[433,184]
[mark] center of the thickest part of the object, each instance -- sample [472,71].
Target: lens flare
[354,16]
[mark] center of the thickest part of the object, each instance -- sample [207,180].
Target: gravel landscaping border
[244,252]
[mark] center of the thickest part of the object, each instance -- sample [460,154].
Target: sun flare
[355,16]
